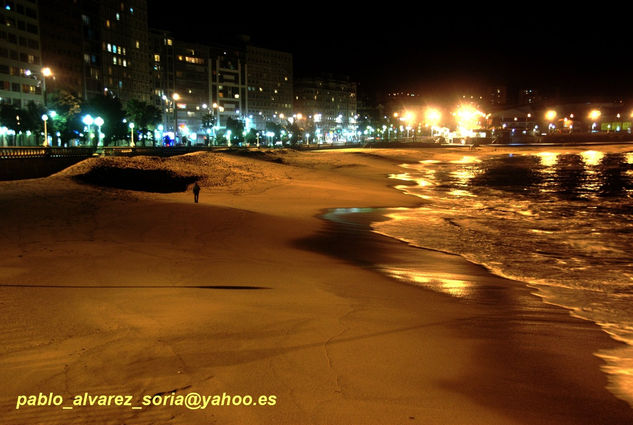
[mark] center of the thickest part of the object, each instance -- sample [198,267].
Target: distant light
[88,120]
[594,114]
[432,116]
[550,115]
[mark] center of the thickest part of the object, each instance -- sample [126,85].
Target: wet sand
[534,361]
[249,292]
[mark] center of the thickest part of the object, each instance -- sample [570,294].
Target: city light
[99,122]
[594,114]
[467,118]
[550,115]
[432,117]
[45,119]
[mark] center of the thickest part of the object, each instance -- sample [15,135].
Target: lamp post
[46,72]
[550,116]
[131,134]
[594,115]
[176,98]
[45,119]
[99,122]
[88,120]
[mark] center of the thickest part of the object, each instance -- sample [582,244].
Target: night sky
[402,49]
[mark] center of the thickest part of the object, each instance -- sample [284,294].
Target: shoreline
[337,343]
[536,324]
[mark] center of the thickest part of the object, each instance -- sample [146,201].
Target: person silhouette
[196,192]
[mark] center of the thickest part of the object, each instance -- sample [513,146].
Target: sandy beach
[251,292]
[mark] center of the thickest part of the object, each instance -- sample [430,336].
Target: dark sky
[398,47]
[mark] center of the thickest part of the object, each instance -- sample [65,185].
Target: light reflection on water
[436,281]
[560,221]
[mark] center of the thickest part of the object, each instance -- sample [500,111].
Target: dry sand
[109,291]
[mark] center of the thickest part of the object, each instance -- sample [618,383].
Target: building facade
[97,46]
[21,77]
[163,79]
[270,85]
[228,79]
[330,101]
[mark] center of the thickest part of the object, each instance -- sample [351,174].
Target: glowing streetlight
[88,120]
[46,72]
[550,115]
[432,116]
[176,98]
[131,125]
[45,119]
[594,115]
[409,117]
[467,117]
[99,122]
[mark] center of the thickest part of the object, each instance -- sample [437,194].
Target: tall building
[98,46]
[228,82]
[529,96]
[191,85]
[62,45]
[199,86]
[497,95]
[21,79]
[270,84]
[331,101]
[125,48]
[163,71]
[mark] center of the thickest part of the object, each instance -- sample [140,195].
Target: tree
[144,116]
[8,118]
[67,120]
[236,127]
[109,108]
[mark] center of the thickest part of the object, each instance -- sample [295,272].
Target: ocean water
[558,220]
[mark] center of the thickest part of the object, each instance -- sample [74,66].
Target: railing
[41,152]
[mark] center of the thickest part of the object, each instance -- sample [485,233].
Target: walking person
[196,192]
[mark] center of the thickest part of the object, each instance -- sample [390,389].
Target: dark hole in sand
[161,181]
[261,155]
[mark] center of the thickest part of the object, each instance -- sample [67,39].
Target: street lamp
[44,73]
[594,115]
[45,119]
[432,118]
[99,122]
[88,120]
[176,98]
[131,134]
